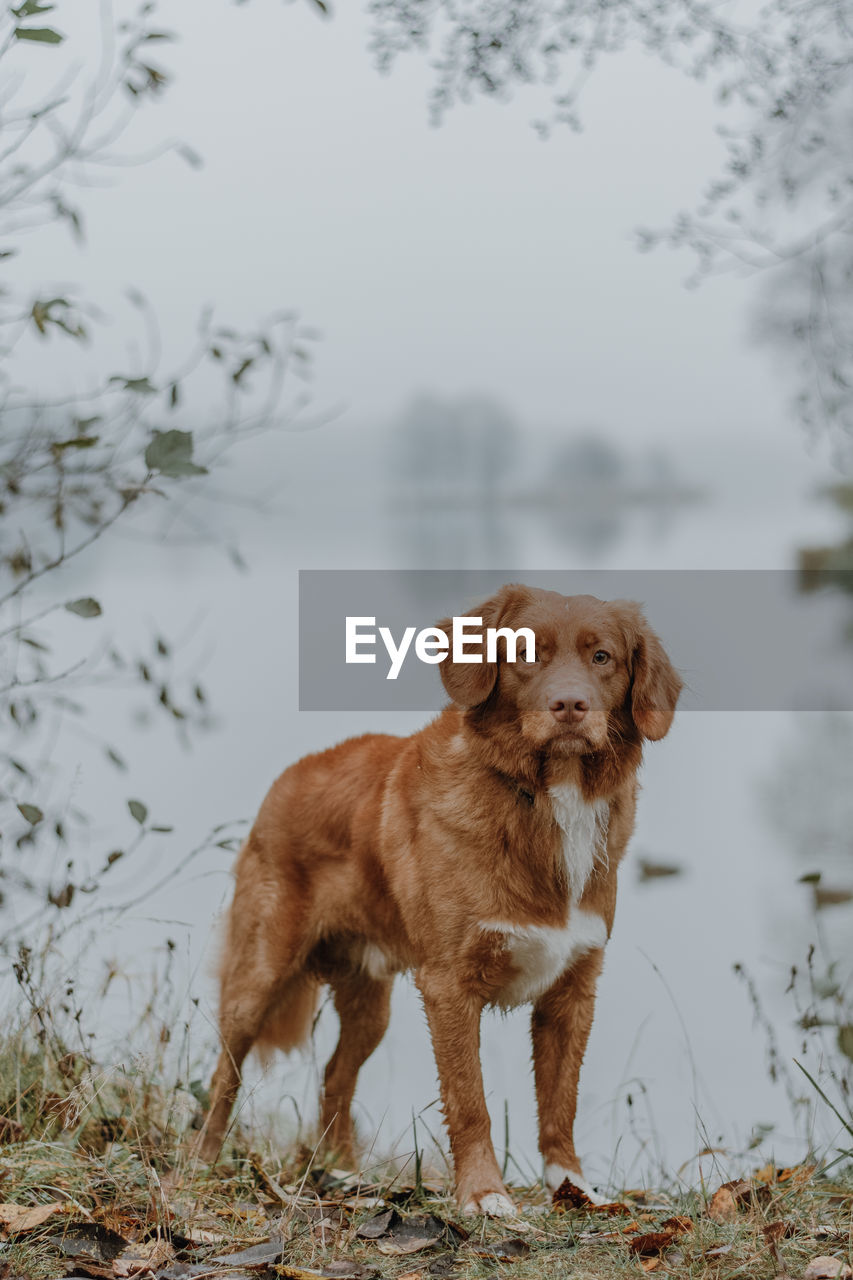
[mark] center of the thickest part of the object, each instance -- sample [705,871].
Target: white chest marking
[540,953]
[584,828]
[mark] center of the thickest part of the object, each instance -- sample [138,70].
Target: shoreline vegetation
[97,1179]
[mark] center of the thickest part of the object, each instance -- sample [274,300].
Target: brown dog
[480,852]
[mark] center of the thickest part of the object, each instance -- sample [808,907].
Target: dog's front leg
[561,1023]
[453,1014]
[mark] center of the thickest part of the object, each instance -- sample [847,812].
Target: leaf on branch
[78,442]
[138,811]
[62,897]
[31,812]
[58,312]
[845,1040]
[30,8]
[86,607]
[72,216]
[170,453]
[142,386]
[190,155]
[39,35]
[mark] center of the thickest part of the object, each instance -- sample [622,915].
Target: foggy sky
[469,257]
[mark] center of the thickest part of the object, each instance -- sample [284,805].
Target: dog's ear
[470,683]
[655,684]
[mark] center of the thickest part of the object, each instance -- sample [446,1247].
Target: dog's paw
[556,1175]
[494,1204]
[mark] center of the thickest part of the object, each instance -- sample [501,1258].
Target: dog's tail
[289,1023]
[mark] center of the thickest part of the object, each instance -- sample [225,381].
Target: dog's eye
[600,657]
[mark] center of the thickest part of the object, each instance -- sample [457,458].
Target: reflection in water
[834,562]
[809,800]
[463,470]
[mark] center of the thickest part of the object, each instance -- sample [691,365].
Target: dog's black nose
[568,709]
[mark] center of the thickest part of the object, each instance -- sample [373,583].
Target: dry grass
[106,1156]
[97,1179]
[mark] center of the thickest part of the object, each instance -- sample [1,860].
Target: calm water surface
[742,803]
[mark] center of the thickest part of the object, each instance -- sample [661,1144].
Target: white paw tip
[494,1205]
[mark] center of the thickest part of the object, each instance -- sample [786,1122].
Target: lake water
[743,803]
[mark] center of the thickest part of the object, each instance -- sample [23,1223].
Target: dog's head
[599,669]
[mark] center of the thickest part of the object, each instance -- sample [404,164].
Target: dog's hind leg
[265,997]
[363,1005]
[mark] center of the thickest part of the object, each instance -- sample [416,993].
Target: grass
[105,1154]
[97,1179]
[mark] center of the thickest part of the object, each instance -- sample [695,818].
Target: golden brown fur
[443,853]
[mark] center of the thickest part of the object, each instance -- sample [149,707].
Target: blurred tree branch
[783,203]
[74,464]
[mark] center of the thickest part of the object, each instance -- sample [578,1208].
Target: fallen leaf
[780,1230]
[653,1242]
[722,1206]
[378,1225]
[569,1196]
[444,1265]
[509,1250]
[394,1247]
[651,1264]
[797,1174]
[345,1270]
[301,1273]
[827,1268]
[265,1254]
[17,1218]
[102,1270]
[147,1255]
[629,1229]
[718,1251]
[199,1236]
[420,1231]
[90,1242]
[679,1224]
[646,1199]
